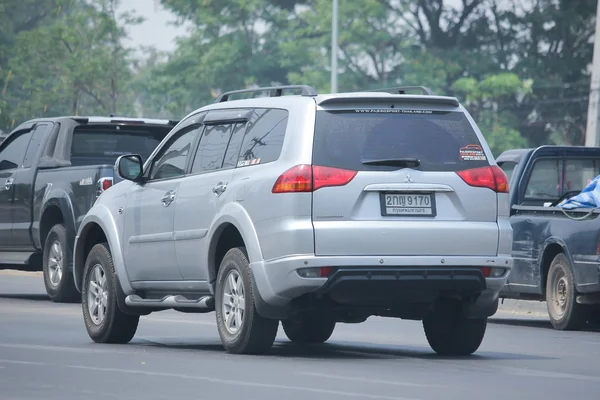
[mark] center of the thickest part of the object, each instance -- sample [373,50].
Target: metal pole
[334,46]
[592,134]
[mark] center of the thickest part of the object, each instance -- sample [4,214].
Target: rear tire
[450,333]
[309,328]
[241,329]
[564,311]
[104,321]
[57,259]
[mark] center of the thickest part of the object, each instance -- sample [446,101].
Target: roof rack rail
[402,90]
[275,91]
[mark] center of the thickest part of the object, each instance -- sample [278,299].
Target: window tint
[211,150]
[233,150]
[544,182]
[13,151]
[104,144]
[171,161]
[34,145]
[264,137]
[508,167]
[579,173]
[441,141]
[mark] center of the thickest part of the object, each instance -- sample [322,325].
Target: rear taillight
[103,185]
[307,178]
[491,177]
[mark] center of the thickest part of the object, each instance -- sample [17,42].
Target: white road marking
[214,380]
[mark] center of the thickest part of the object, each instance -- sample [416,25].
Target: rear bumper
[360,281]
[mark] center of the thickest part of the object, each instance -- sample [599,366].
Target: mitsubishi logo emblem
[408,178]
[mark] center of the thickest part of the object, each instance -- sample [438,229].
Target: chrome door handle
[168,198]
[220,188]
[8,184]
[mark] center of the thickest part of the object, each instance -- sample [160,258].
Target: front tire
[241,329]
[57,258]
[309,328]
[450,333]
[104,321]
[564,311]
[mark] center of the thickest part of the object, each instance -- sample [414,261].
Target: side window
[264,137]
[211,150]
[34,145]
[171,161]
[545,179]
[13,151]
[579,172]
[233,150]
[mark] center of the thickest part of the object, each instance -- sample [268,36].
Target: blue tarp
[588,198]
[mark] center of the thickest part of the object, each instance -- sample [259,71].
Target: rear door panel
[457,220]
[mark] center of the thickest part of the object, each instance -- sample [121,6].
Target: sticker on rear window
[245,163]
[472,152]
[393,111]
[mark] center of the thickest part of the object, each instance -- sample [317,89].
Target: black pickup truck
[556,251]
[51,173]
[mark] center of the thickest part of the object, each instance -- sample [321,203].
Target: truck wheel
[241,328]
[450,333]
[309,328]
[564,311]
[104,321]
[58,277]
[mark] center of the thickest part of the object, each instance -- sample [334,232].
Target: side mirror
[129,167]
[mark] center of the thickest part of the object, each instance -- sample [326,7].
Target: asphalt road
[45,353]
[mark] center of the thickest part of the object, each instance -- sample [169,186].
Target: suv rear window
[91,145]
[441,140]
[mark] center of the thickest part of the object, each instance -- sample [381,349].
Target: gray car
[306,209]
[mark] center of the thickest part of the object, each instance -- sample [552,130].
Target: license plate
[408,204]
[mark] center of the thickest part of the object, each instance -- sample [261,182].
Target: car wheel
[241,328]
[104,321]
[450,333]
[309,328]
[564,311]
[58,277]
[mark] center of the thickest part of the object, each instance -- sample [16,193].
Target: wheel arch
[231,228]
[56,211]
[552,248]
[99,226]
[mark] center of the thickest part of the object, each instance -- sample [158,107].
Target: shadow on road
[340,350]
[537,323]
[25,296]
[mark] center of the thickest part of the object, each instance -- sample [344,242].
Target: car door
[24,178]
[205,191]
[12,152]
[543,185]
[148,222]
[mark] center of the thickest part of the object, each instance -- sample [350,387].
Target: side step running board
[206,303]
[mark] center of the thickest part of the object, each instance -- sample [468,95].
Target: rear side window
[441,141]
[92,144]
[544,182]
[264,137]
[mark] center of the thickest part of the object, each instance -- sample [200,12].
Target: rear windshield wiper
[394,162]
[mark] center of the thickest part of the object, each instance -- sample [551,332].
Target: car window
[172,158]
[212,147]
[544,182]
[13,151]
[264,137]
[233,149]
[357,139]
[34,144]
[508,167]
[579,173]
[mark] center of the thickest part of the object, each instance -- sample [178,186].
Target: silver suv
[306,209]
